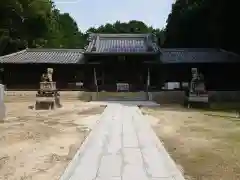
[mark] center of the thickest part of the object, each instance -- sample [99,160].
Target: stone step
[120,96]
[127,98]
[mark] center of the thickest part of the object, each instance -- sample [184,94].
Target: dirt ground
[37,145]
[204,144]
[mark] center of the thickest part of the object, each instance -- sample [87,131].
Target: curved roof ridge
[229,52]
[110,35]
[13,54]
[54,49]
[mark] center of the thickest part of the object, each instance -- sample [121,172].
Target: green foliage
[24,22]
[35,23]
[203,23]
[127,27]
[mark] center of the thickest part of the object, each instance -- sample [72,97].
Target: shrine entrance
[124,70]
[118,72]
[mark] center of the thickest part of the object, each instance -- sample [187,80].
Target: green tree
[128,27]
[23,22]
[203,23]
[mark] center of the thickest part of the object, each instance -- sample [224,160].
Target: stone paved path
[122,146]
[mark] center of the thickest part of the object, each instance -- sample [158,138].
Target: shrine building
[135,59]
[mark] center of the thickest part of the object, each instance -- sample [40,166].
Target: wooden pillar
[2,105]
[148,79]
[95,78]
[2,75]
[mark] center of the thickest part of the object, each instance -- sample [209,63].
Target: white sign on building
[122,87]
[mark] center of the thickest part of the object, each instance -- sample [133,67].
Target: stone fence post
[2,105]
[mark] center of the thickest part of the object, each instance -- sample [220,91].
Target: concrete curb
[177,173]
[77,157]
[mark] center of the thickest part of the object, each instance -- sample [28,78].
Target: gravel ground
[205,144]
[37,145]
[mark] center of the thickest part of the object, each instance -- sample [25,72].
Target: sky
[93,13]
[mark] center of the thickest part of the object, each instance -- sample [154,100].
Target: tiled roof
[51,56]
[76,56]
[197,55]
[121,43]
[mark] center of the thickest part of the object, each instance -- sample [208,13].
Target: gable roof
[197,55]
[50,56]
[122,43]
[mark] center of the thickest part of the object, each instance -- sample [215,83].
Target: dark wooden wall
[221,76]
[28,76]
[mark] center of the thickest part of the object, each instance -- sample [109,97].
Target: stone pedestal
[2,105]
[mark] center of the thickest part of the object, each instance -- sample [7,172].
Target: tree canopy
[36,23]
[203,23]
[127,27]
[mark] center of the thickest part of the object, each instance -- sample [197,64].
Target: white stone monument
[197,91]
[2,105]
